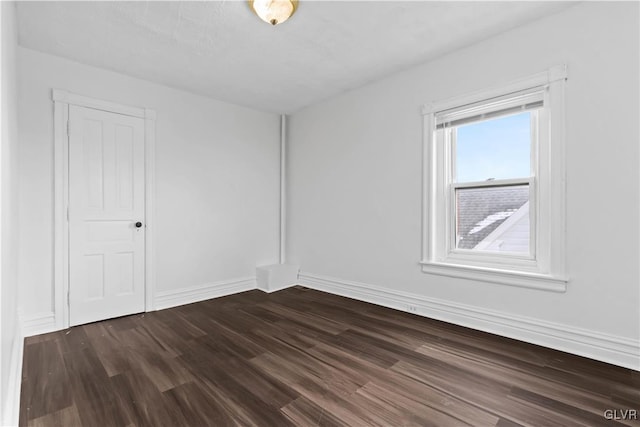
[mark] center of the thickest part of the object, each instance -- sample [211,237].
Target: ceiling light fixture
[274,12]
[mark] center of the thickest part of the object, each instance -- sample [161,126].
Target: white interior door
[106,215]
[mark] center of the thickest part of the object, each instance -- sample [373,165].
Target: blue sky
[498,148]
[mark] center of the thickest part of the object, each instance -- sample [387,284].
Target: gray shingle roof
[482,210]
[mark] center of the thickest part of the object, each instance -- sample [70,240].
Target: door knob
[138,224]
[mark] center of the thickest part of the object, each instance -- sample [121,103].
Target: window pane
[494,149]
[493,218]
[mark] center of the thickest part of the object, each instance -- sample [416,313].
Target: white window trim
[547,271]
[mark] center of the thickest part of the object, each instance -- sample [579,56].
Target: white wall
[354,172]
[9,335]
[217,178]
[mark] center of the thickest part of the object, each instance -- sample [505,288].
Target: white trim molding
[495,275]
[173,298]
[11,409]
[553,74]
[40,323]
[61,197]
[608,348]
[62,99]
[66,97]
[544,266]
[149,208]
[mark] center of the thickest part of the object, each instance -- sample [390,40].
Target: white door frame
[61,101]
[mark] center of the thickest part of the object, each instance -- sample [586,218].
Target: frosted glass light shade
[274,12]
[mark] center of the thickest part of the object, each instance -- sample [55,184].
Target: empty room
[320,213]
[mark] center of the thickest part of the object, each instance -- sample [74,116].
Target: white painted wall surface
[355,164]
[217,178]
[9,336]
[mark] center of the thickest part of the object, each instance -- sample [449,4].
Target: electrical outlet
[412,309]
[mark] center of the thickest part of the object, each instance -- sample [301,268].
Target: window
[494,184]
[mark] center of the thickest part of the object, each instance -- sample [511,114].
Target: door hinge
[68,127]
[68,299]
[67,213]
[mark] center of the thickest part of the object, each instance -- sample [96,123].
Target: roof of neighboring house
[482,210]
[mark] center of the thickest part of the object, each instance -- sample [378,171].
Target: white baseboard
[11,410]
[612,349]
[36,324]
[168,299]
[281,288]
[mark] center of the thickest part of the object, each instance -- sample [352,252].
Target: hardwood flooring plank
[91,390]
[237,399]
[67,417]
[278,340]
[506,423]
[576,397]
[306,358]
[243,373]
[304,382]
[364,351]
[263,386]
[140,341]
[139,399]
[473,391]
[73,339]
[402,386]
[327,408]
[419,409]
[45,389]
[305,319]
[238,394]
[572,412]
[164,373]
[111,351]
[261,314]
[127,322]
[493,345]
[595,369]
[302,412]
[177,323]
[194,406]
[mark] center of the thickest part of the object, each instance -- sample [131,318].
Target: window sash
[453,212]
[448,137]
[494,183]
[517,102]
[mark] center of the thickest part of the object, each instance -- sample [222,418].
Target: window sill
[493,275]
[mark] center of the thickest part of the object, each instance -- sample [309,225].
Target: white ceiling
[222,50]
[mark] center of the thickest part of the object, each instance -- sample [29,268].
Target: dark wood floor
[302,357]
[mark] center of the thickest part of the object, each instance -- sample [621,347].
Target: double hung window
[494,185]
